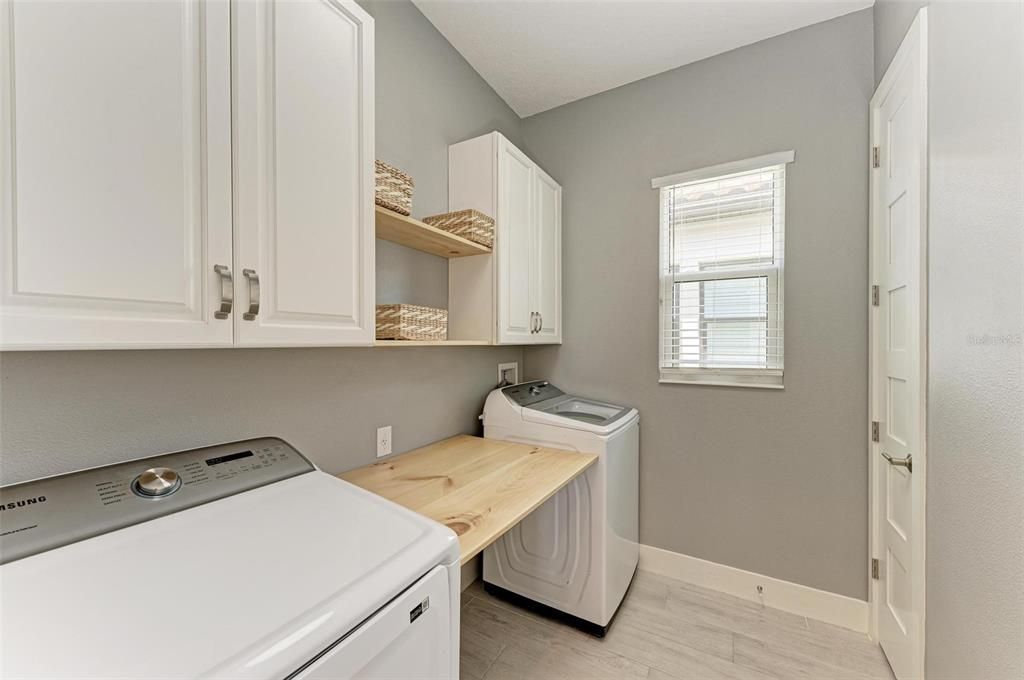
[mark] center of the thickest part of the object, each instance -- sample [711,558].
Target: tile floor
[665,630]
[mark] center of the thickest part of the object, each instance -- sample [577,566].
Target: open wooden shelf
[431,343]
[415,234]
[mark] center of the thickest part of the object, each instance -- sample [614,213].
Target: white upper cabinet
[523,278]
[115,174]
[547,258]
[304,233]
[515,244]
[139,201]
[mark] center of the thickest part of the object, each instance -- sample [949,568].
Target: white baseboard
[839,610]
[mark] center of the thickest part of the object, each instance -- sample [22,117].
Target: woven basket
[469,224]
[411,322]
[394,188]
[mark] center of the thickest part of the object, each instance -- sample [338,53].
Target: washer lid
[248,586]
[579,414]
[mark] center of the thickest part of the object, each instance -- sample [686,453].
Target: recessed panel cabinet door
[515,245]
[548,257]
[303,173]
[115,174]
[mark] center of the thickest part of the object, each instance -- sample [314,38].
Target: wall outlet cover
[383,441]
[508,374]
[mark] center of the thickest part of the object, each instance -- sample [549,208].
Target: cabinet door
[547,253]
[115,174]
[304,173]
[515,227]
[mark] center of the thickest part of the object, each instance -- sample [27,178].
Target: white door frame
[915,41]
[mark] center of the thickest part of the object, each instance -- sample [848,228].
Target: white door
[115,174]
[898,337]
[516,314]
[547,253]
[304,231]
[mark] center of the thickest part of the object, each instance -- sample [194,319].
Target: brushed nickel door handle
[227,291]
[254,294]
[907,462]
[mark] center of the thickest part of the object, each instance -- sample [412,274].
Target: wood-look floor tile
[716,671]
[503,627]
[674,657]
[786,661]
[845,649]
[650,632]
[476,653]
[691,600]
[557,659]
[669,629]
[649,593]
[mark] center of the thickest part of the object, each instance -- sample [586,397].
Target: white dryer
[575,555]
[238,561]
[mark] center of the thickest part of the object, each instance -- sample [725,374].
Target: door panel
[304,151]
[548,254]
[115,173]
[898,358]
[515,244]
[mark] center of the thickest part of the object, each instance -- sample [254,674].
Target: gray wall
[427,98]
[975,496]
[770,481]
[892,19]
[64,410]
[975,552]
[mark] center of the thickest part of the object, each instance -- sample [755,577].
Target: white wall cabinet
[304,173]
[131,201]
[513,296]
[547,257]
[115,175]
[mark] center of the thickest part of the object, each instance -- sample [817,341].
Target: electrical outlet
[508,374]
[383,441]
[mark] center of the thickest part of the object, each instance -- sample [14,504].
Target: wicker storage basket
[469,224]
[394,188]
[411,322]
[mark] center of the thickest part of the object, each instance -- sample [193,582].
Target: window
[721,273]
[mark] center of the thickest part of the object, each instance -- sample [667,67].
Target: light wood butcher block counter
[480,488]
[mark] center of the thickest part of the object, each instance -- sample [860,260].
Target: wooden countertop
[480,488]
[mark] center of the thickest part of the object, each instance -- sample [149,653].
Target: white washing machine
[237,561]
[575,555]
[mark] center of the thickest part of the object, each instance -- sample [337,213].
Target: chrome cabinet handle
[254,294]
[533,322]
[540,321]
[907,462]
[227,291]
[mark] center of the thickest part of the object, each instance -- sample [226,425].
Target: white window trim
[765,378]
[777,158]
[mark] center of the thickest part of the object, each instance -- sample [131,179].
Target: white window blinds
[722,236]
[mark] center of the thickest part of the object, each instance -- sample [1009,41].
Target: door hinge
[876,157]
[874,430]
[874,296]
[874,568]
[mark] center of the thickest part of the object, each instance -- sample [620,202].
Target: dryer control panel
[48,513]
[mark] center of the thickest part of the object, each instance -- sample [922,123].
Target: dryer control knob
[156,482]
